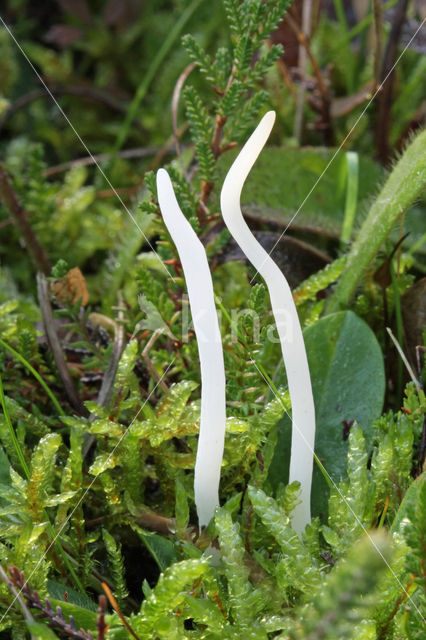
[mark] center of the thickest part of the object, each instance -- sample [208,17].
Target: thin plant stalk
[404,358]
[306,30]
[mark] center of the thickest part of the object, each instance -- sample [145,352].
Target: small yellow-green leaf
[106,427]
[60,498]
[103,462]
[236,425]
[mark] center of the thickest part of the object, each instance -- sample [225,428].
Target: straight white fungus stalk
[204,316]
[287,321]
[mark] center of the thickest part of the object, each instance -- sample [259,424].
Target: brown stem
[384,97]
[114,604]
[151,521]
[73,90]
[207,186]
[34,248]
[202,211]
[138,152]
[110,372]
[383,631]
[55,345]
[325,103]
[149,362]
[101,625]
[217,134]
[16,594]
[285,74]
[417,122]
[378,28]
[55,618]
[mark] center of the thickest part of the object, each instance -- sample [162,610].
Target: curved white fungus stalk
[284,310]
[204,316]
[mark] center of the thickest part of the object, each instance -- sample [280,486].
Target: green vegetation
[99,370]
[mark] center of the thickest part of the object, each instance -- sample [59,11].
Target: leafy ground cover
[99,369]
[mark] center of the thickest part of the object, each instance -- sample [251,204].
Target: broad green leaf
[207,613]
[348,382]
[162,549]
[40,631]
[153,320]
[408,503]
[64,593]
[276,200]
[8,307]
[4,467]
[84,618]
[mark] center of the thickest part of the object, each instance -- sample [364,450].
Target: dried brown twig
[55,345]
[322,104]
[90,93]
[19,600]
[55,619]
[111,370]
[113,602]
[384,97]
[20,218]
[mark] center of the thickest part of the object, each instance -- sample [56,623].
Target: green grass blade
[355,31]
[340,13]
[352,163]
[16,444]
[150,74]
[402,187]
[35,373]
[399,330]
